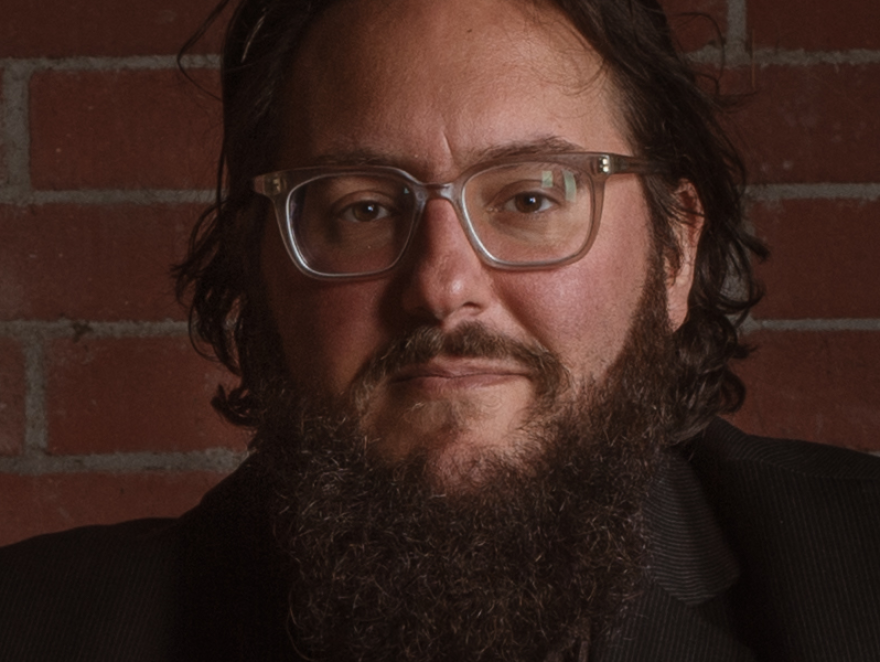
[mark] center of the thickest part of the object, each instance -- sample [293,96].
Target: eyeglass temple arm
[615,164]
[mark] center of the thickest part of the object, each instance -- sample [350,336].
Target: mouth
[451,373]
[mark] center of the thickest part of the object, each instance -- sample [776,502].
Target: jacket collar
[689,557]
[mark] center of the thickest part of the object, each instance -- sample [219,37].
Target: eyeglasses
[518,213]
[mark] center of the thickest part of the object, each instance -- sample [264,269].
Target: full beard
[541,559]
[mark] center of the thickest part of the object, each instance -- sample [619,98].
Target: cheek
[584,311]
[583,322]
[327,330]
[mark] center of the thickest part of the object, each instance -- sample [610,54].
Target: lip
[456,373]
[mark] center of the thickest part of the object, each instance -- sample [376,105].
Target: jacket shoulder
[801,520]
[205,586]
[723,445]
[97,583]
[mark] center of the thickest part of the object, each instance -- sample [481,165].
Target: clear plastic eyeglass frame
[596,167]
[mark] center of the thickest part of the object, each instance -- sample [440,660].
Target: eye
[365,211]
[528,202]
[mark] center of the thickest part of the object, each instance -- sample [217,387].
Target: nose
[447,282]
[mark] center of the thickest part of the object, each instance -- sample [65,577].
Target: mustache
[468,340]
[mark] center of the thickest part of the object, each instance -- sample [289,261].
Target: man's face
[433,88]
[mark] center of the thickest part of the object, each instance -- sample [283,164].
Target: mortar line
[108,197]
[814,191]
[222,460]
[812,324]
[24,330]
[738,41]
[15,127]
[111,63]
[804,58]
[35,434]
[734,55]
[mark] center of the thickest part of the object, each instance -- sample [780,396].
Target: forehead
[448,32]
[461,75]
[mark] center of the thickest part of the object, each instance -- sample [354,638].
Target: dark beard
[540,559]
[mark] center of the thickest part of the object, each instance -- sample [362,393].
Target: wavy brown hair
[672,120]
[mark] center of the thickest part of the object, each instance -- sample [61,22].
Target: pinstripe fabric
[205,587]
[88,579]
[760,550]
[803,521]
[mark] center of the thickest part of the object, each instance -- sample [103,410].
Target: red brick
[12,392]
[91,262]
[818,386]
[32,505]
[813,124]
[60,28]
[823,260]
[132,394]
[122,129]
[816,25]
[697,23]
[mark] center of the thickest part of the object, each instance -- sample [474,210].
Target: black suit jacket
[761,550]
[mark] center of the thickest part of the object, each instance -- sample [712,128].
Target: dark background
[107,156]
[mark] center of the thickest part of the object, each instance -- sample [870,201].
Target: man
[482,359]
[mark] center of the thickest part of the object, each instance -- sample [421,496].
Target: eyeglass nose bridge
[452,192]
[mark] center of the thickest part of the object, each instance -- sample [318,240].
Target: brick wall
[811,131]
[106,157]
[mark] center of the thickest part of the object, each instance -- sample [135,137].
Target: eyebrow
[365,156]
[528,148]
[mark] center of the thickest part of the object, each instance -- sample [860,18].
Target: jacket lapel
[681,614]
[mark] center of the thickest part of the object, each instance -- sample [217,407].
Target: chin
[457,459]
